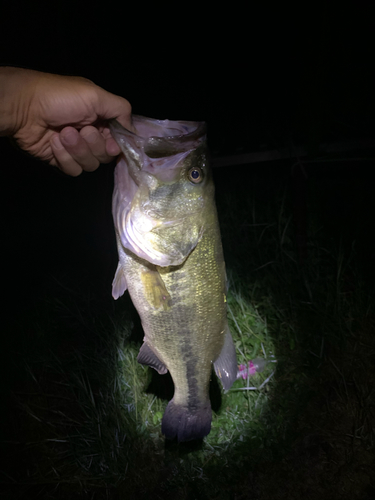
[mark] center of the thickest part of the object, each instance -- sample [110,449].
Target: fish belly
[183,314]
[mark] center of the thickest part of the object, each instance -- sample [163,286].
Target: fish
[171,261]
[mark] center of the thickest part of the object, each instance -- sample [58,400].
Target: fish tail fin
[185,423]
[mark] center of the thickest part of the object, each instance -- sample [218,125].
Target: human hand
[61,119]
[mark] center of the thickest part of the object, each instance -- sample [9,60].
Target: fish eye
[195,175]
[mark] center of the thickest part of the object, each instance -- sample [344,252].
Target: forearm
[16,90]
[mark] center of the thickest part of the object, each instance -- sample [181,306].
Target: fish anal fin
[156,293]
[226,364]
[146,356]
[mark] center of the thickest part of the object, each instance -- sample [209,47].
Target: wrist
[16,90]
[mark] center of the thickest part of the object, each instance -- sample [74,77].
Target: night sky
[261,78]
[258,77]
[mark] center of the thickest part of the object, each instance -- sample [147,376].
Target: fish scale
[171,261]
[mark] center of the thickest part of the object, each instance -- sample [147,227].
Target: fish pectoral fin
[156,293]
[119,284]
[146,356]
[226,364]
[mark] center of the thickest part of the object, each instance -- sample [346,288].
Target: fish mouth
[153,139]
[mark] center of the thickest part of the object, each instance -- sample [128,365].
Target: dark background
[263,78]
[256,75]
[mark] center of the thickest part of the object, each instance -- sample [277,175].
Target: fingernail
[56,142]
[91,138]
[112,148]
[70,138]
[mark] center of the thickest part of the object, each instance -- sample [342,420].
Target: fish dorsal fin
[226,364]
[147,357]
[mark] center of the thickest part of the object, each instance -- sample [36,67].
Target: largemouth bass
[171,261]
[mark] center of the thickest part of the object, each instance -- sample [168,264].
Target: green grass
[87,418]
[240,405]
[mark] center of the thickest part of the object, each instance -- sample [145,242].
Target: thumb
[114,106]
